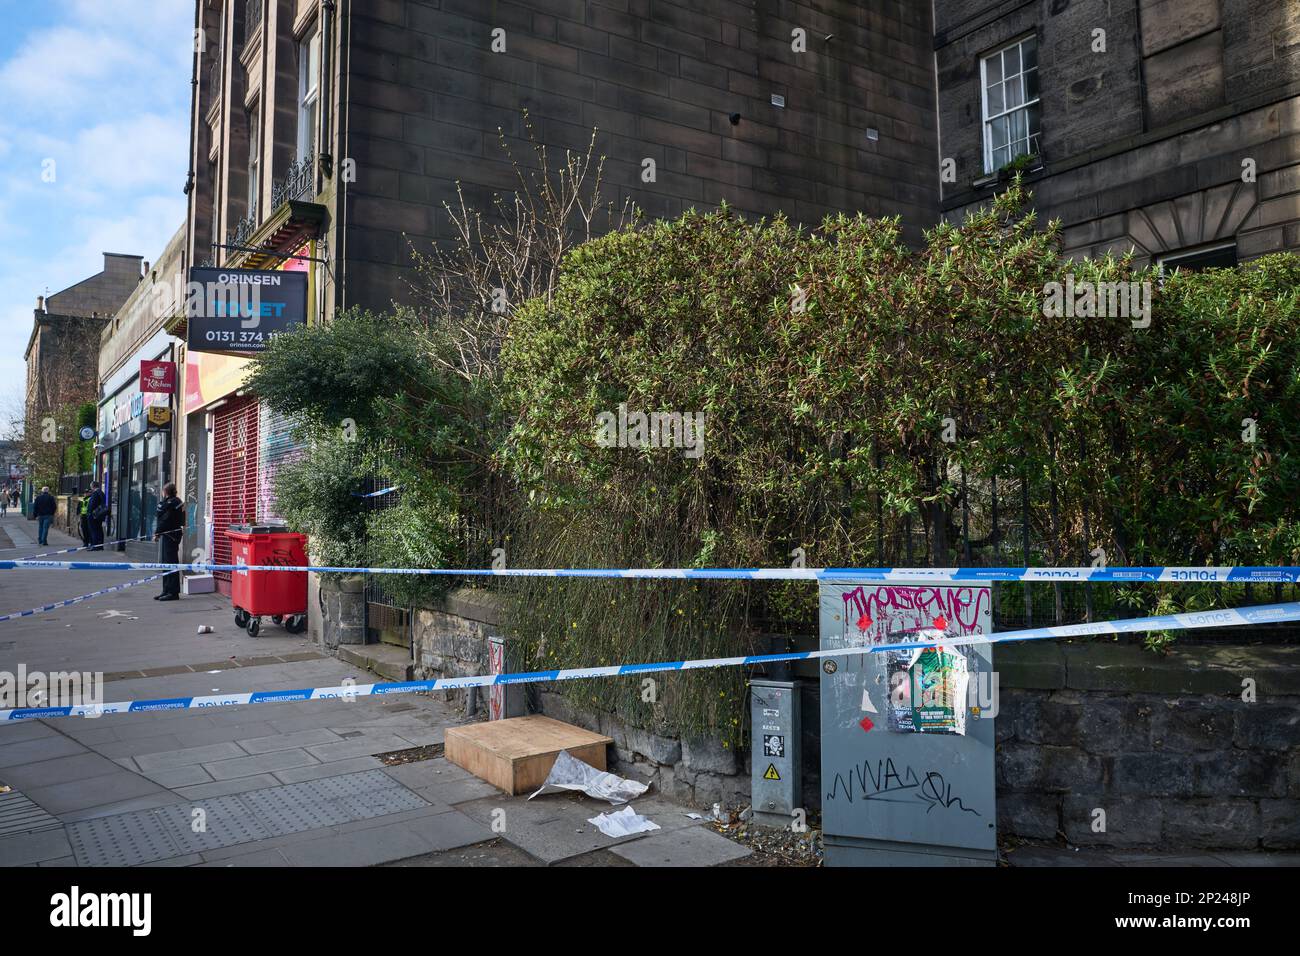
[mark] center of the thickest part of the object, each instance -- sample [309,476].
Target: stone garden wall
[1104,744]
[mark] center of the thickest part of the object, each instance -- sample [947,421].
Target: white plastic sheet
[621,823]
[570,773]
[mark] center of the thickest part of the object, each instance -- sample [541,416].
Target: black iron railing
[299,180]
[243,230]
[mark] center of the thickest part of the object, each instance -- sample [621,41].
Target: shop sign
[241,310]
[158,377]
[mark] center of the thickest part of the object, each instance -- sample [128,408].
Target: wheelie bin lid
[259,528]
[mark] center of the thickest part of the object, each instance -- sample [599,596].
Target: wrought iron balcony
[299,180]
[242,231]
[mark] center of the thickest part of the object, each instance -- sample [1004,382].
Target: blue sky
[101,87]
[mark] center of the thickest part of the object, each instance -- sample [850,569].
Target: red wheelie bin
[280,595]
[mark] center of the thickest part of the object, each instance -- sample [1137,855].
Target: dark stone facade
[661,81]
[1114,746]
[1184,133]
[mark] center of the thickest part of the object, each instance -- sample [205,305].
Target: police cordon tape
[76,600]
[1259,614]
[84,547]
[967,575]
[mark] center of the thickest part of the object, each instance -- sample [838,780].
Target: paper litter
[570,773]
[621,823]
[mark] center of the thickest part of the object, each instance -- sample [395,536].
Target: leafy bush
[825,424]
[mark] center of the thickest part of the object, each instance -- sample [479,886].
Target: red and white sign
[158,377]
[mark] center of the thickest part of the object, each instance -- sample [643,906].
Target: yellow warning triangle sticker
[771,773]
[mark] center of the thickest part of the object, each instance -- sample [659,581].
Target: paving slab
[555,827]
[260,763]
[222,788]
[426,773]
[36,749]
[17,849]
[332,769]
[162,798]
[99,791]
[188,756]
[16,731]
[261,858]
[394,841]
[453,792]
[175,777]
[58,770]
[136,745]
[693,846]
[301,738]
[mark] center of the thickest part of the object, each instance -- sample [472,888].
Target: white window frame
[308,94]
[254,158]
[985,119]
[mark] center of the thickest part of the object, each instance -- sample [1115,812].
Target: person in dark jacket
[43,508]
[96,512]
[168,532]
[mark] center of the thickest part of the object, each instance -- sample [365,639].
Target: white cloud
[101,86]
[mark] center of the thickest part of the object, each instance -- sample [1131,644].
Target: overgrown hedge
[830,367]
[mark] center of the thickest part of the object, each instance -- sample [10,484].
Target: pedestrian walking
[43,508]
[96,512]
[167,532]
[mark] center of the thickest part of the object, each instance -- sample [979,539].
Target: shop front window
[136,493]
[154,442]
[114,493]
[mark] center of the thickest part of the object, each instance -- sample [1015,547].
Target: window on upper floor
[308,93]
[1221,256]
[1009,81]
[254,160]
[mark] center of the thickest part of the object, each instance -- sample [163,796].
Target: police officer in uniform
[167,532]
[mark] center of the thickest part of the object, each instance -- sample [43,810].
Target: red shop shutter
[234,477]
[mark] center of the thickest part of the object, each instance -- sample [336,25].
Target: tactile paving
[224,822]
[127,839]
[144,836]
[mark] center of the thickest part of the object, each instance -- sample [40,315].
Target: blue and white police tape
[376,494]
[84,547]
[1261,614]
[968,575]
[77,600]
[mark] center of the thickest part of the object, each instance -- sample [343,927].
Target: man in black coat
[168,532]
[96,511]
[43,510]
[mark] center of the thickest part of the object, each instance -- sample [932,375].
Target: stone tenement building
[1170,127]
[63,350]
[800,107]
[326,136]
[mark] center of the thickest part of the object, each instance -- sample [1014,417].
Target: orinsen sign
[241,310]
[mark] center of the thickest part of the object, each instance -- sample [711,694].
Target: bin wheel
[295,623]
[241,617]
[277,618]
[254,625]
